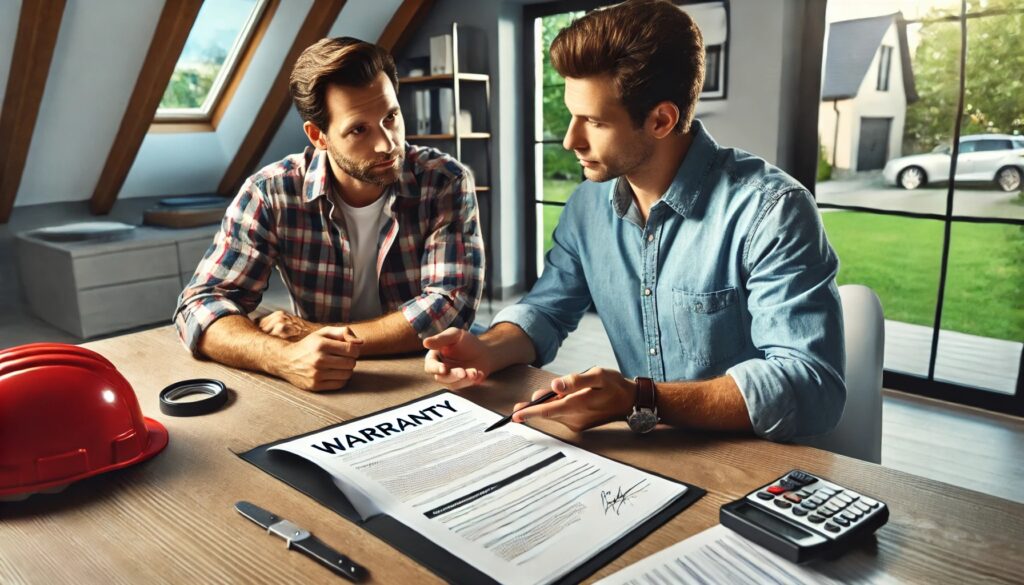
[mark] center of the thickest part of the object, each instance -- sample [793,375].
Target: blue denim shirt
[732,274]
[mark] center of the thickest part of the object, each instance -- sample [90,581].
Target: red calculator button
[776,489]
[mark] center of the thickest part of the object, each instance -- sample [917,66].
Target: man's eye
[358,130]
[392,116]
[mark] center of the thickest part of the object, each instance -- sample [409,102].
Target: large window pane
[983,311]
[899,259]
[991,162]
[213,45]
[561,173]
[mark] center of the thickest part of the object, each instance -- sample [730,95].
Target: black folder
[310,479]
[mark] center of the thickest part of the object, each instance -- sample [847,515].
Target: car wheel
[1008,178]
[912,178]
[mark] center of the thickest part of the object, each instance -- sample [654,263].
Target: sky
[838,10]
[218,23]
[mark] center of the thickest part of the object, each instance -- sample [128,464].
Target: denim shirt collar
[685,191]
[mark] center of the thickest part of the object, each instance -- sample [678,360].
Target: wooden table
[171,519]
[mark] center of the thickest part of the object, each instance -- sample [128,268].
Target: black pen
[504,421]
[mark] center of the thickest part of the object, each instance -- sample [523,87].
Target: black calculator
[801,517]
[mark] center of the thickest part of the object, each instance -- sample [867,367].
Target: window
[943,256]
[713,20]
[222,33]
[884,63]
[988,145]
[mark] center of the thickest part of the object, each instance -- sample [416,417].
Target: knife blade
[302,540]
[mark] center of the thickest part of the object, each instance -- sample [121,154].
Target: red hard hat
[65,414]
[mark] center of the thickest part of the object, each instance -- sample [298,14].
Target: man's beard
[615,167]
[364,171]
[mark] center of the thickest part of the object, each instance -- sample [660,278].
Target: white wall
[868,103]
[99,52]
[871,103]
[9,12]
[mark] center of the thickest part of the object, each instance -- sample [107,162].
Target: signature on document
[615,501]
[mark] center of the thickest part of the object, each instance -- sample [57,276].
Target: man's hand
[456,358]
[323,360]
[286,326]
[586,400]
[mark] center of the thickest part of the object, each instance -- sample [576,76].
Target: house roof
[852,45]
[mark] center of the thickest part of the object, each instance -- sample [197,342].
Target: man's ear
[316,137]
[662,119]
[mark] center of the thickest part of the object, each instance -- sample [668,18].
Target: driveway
[868,190]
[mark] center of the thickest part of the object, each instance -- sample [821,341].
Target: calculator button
[815,518]
[817,500]
[849,515]
[799,511]
[832,508]
[802,478]
[782,503]
[825,512]
[841,520]
[804,493]
[826,491]
[789,484]
[792,498]
[871,503]
[808,505]
[862,507]
[831,527]
[765,495]
[776,489]
[844,498]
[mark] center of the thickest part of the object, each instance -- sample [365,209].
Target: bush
[824,168]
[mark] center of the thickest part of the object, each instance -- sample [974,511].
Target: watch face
[642,420]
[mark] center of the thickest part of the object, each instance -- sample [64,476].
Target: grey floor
[954,444]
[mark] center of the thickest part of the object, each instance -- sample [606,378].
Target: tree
[994,90]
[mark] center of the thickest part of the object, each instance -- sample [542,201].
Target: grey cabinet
[91,288]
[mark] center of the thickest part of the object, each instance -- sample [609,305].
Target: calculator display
[772,523]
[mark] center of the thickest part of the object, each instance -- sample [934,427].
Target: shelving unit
[473,92]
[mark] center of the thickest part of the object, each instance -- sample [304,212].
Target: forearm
[389,334]
[507,345]
[715,404]
[234,340]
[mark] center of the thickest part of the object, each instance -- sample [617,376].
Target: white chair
[859,432]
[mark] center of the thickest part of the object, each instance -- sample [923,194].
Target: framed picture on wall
[713,19]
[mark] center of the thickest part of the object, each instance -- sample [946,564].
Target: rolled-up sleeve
[553,308]
[452,267]
[232,276]
[798,388]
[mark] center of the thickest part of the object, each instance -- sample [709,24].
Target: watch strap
[325,555]
[646,395]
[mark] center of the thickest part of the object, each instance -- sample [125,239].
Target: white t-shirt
[363,225]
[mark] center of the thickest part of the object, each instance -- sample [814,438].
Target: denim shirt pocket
[708,325]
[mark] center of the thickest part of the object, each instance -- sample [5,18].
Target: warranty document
[516,504]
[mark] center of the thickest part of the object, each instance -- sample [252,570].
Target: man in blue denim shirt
[708,266]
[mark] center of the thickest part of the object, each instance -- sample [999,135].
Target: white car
[983,157]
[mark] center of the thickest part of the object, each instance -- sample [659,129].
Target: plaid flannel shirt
[430,260]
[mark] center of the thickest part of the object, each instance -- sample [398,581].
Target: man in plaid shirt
[377,241]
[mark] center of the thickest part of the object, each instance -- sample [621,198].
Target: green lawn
[899,258]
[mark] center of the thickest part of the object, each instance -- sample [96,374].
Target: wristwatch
[644,417]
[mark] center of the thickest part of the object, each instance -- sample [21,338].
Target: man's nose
[573,138]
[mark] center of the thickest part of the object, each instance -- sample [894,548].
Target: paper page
[717,555]
[516,504]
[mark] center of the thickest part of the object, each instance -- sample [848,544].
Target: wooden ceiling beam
[270,115]
[169,38]
[403,24]
[38,28]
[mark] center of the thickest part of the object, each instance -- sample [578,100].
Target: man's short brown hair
[337,61]
[652,50]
